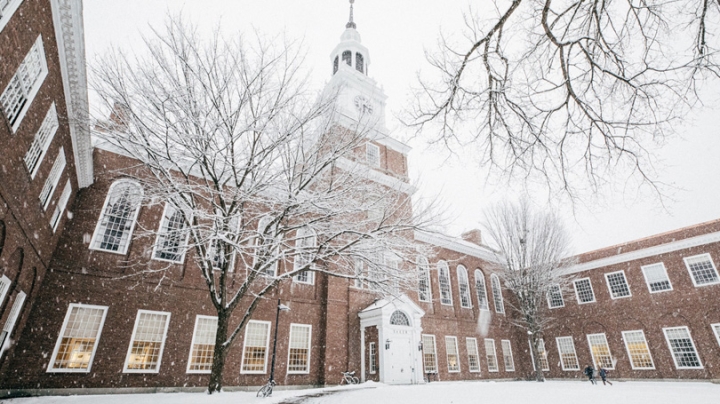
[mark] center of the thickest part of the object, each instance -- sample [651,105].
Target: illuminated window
[117,218]
[656,277]
[373,358]
[255,346]
[584,291]
[79,335]
[617,284]
[452,354]
[147,342]
[638,350]
[600,351]
[444,281]
[555,297]
[480,290]
[41,143]
[568,357]
[491,355]
[702,270]
[682,347]
[24,85]
[507,355]
[429,354]
[172,235]
[53,179]
[299,351]
[424,290]
[497,294]
[473,355]
[305,244]
[202,348]
[463,287]
[544,364]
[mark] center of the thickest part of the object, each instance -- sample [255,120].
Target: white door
[399,357]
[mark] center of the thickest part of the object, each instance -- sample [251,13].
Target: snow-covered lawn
[552,392]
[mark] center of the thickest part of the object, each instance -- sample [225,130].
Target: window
[267,247]
[444,281]
[399,318]
[60,207]
[451,349]
[491,355]
[638,350]
[305,243]
[584,291]
[463,287]
[346,56]
[220,251]
[4,287]
[359,62]
[7,8]
[600,351]
[429,354]
[52,180]
[702,270]
[497,294]
[568,357]
[79,335]
[656,277]
[255,346]
[555,297]
[202,348]
[617,284]
[480,290]
[299,350]
[172,235]
[12,319]
[359,272]
[424,290]
[507,355]
[372,353]
[473,355]
[372,154]
[544,364]
[147,342]
[682,347]
[715,327]
[335,65]
[24,85]
[41,143]
[117,218]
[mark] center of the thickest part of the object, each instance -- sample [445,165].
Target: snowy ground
[552,392]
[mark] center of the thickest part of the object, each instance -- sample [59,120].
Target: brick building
[87,327]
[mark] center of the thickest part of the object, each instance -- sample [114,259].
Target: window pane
[473,355]
[638,350]
[429,354]
[444,280]
[702,269]
[147,341]
[656,277]
[76,345]
[617,284]
[452,354]
[463,287]
[583,290]
[299,355]
[555,297]
[203,346]
[600,351]
[682,347]
[424,294]
[491,355]
[480,290]
[118,217]
[566,349]
[255,347]
[497,294]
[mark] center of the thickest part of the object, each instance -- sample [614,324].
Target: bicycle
[266,390]
[349,378]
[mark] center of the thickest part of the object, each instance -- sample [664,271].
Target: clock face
[363,105]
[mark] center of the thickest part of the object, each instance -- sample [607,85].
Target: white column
[362,354]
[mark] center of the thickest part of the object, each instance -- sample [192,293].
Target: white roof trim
[373,133]
[69,32]
[373,175]
[458,245]
[647,252]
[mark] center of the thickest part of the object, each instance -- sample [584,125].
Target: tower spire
[351,23]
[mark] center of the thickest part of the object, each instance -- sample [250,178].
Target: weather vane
[351,23]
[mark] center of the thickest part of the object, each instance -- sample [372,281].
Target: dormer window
[359,62]
[346,57]
[335,65]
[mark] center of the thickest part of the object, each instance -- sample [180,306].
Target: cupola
[350,53]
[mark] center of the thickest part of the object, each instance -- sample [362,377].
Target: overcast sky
[397,32]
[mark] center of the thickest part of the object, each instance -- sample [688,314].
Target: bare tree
[568,91]
[533,249]
[260,186]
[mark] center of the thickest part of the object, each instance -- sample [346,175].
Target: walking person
[589,372]
[603,376]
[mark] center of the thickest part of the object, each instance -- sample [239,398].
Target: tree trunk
[219,354]
[539,376]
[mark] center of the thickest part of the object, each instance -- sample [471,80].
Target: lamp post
[280,307]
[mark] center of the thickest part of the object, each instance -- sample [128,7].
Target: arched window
[399,318]
[444,281]
[2,236]
[346,57]
[463,287]
[480,290]
[359,62]
[424,290]
[266,244]
[172,235]
[305,242]
[497,294]
[335,65]
[117,218]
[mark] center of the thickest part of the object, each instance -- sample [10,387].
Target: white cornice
[458,245]
[373,134]
[373,175]
[69,32]
[647,252]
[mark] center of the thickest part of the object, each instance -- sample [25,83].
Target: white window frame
[194,341]
[5,283]
[51,366]
[424,275]
[577,294]
[471,343]
[41,143]
[715,327]
[463,287]
[97,237]
[262,223]
[609,285]
[7,12]
[61,205]
[506,348]
[299,260]
[267,353]
[497,294]
[559,341]
[646,268]
[480,286]
[12,319]
[449,341]
[372,358]
[433,353]
[712,263]
[28,93]
[629,352]
[52,180]
[132,340]
[309,349]
[692,342]
[163,234]
[490,344]
[446,298]
[544,362]
[551,292]
[372,154]
[599,339]
[234,224]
